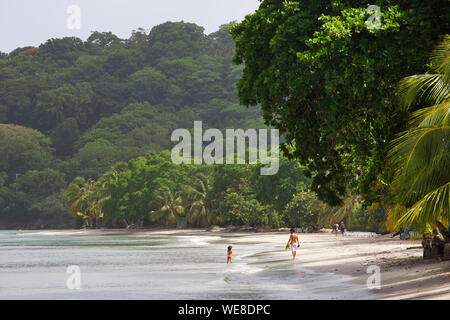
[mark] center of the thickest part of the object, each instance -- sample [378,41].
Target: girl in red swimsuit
[229,252]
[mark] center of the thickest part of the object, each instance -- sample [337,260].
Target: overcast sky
[32,22]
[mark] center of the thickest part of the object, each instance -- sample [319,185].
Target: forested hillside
[71,108]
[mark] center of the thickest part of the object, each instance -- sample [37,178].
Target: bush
[303,211]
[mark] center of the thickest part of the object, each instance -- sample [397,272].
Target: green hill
[74,108]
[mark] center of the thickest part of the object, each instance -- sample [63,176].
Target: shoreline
[140,229]
[404,274]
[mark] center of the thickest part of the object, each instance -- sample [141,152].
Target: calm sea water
[33,265]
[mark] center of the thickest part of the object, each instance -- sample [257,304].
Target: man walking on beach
[293,243]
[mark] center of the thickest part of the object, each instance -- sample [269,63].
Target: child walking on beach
[342,227]
[229,252]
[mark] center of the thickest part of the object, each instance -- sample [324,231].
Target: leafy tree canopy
[327,80]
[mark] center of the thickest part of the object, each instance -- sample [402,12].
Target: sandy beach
[404,274]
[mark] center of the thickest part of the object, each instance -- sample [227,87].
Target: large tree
[327,79]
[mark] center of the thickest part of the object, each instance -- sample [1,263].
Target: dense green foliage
[327,79]
[372,219]
[79,107]
[304,209]
[87,123]
[23,149]
[153,190]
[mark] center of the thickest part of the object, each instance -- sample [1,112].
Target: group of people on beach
[293,243]
[339,226]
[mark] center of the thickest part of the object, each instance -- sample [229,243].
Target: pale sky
[32,22]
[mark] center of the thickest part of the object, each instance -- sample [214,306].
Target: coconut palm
[420,156]
[75,196]
[199,209]
[330,215]
[170,204]
[85,200]
[97,197]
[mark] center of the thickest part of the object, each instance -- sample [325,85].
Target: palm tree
[330,215]
[170,206]
[420,156]
[75,196]
[96,198]
[110,177]
[85,200]
[199,213]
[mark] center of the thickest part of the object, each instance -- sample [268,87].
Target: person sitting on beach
[405,235]
[399,232]
[293,243]
[229,252]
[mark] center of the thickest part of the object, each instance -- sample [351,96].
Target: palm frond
[434,116]
[421,159]
[433,207]
[429,88]
[331,215]
[440,59]
[394,214]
